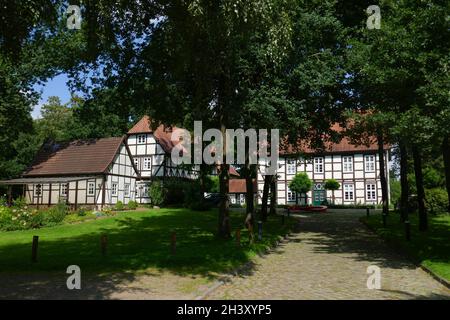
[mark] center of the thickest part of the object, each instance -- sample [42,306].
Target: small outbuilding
[91,173]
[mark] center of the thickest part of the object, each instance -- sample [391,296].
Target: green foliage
[430,248]
[174,192]
[432,178]
[132,205]
[119,206]
[212,184]
[81,212]
[301,183]
[21,217]
[157,193]
[193,197]
[331,184]
[133,234]
[395,190]
[436,200]
[56,213]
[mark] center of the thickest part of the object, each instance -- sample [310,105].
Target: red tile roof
[162,133]
[142,126]
[344,145]
[232,171]
[239,186]
[91,156]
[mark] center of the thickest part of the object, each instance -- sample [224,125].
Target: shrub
[436,200]
[6,219]
[16,218]
[193,197]
[212,184]
[3,201]
[106,211]
[157,193]
[119,206]
[174,191]
[331,184]
[132,205]
[56,214]
[301,184]
[81,212]
[20,202]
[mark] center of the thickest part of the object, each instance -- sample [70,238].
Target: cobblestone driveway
[328,259]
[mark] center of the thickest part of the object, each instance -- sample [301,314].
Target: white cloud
[36,113]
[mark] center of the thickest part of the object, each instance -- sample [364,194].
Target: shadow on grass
[431,247]
[135,243]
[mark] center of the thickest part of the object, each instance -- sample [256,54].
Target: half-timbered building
[151,153]
[355,167]
[90,173]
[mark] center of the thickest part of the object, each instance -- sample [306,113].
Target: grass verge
[137,241]
[431,248]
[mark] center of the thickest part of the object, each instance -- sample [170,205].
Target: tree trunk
[423,219]
[224,181]
[446,155]
[273,196]
[404,181]
[383,180]
[249,196]
[265,197]
[203,175]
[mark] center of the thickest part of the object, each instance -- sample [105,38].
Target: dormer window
[141,138]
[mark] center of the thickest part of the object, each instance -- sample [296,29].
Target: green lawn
[137,241]
[431,248]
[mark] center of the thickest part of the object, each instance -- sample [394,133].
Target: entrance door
[319,194]
[318,197]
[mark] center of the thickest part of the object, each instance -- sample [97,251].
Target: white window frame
[318,165]
[347,164]
[114,186]
[126,191]
[141,138]
[290,195]
[38,189]
[144,191]
[91,187]
[369,163]
[349,192]
[371,192]
[241,198]
[147,163]
[64,188]
[136,163]
[233,199]
[291,166]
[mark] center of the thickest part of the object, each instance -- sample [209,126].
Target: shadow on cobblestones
[345,234]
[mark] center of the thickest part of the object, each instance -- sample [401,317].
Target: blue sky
[53,87]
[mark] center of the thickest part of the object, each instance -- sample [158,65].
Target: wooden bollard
[384,220]
[367,212]
[260,230]
[408,230]
[238,237]
[282,219]
[173,242]
[34,249]
[104,244]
